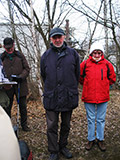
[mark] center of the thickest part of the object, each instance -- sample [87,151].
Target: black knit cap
[56,31]
[8,42]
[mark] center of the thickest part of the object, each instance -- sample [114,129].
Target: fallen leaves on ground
[37,139]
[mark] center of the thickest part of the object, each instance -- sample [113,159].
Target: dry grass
[37,139]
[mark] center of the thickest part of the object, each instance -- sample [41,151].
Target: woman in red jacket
[97,74]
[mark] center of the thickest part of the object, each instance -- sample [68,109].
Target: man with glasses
[15,63]
[97,74]
[60,70]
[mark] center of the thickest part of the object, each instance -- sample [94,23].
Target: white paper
[7,82]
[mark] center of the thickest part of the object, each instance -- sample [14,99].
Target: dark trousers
[22,107]
[55,144]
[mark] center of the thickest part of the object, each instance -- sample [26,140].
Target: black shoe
[66,153]
[26,128]
[53,156]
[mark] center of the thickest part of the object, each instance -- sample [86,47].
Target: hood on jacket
[96,46]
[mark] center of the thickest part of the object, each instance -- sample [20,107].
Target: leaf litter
[37,138]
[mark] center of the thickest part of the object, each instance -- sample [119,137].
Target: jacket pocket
[73,98]
[49,101]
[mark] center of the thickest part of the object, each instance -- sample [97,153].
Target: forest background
[84,22]
[29,22]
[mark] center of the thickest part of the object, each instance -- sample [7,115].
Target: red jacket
[96,83]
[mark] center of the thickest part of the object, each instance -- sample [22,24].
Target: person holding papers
[16,66]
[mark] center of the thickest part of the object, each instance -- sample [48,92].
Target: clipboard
[7,83]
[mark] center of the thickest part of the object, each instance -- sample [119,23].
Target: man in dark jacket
[60,71]
[14,63]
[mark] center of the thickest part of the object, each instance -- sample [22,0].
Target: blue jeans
[96,115]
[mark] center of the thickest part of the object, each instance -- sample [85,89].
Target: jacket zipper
[101,74]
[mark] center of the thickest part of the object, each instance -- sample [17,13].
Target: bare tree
[106,29]
[36,49]
[55,12]
[38,29]
[109,20]
[116,41]
[12,24]
[44,26]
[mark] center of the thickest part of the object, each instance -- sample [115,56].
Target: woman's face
[97,54]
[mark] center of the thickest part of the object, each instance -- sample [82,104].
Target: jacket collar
[91,58]
[64,46]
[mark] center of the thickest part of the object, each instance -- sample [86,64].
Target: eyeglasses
[97,52]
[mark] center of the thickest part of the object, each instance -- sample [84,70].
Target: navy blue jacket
[60,70]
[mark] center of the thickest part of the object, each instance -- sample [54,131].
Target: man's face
[10,50]
[57,40]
